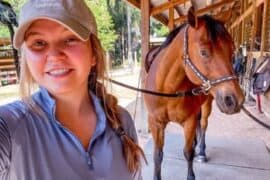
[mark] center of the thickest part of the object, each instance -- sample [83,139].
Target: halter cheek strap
[207,84]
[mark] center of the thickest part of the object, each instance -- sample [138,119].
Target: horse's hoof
[191,178]
[201,159]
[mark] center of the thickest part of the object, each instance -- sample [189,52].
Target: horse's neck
[170,71]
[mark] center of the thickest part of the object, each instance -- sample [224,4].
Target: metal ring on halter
[206,85]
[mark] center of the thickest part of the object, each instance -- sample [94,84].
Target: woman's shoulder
[12,112]
[16,108]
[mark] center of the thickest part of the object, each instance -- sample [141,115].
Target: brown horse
[196,58]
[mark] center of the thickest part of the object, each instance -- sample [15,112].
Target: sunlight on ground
[9,93]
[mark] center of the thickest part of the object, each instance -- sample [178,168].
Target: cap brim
[79,30]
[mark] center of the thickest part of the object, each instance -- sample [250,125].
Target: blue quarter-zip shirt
[35,146]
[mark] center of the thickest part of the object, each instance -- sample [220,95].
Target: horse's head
[209,47]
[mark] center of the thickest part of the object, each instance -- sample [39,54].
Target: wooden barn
[7,67]
[248,22]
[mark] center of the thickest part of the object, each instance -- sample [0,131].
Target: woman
[70,128]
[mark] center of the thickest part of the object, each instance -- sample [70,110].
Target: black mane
[214,27]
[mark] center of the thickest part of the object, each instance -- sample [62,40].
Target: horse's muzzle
[228,103]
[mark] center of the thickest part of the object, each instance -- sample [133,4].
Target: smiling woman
[71,128]
[58,60]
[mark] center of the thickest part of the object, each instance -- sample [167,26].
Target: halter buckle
[198,91]
[206,85]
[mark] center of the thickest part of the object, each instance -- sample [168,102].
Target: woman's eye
[71,41]
[204,53]
[38,44]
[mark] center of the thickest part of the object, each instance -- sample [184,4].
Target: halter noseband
[206,83]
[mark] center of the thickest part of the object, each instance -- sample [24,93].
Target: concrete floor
[229,159]
[237,147]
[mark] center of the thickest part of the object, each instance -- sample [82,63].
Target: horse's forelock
[215,29]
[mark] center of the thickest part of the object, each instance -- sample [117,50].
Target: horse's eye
[204,53]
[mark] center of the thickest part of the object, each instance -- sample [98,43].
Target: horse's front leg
[206,109]
[189,149]
[157,131]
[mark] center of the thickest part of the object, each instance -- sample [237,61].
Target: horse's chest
[182,109]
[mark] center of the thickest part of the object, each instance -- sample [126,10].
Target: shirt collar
[47,103]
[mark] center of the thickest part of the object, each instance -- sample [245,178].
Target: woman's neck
[77,114]
[73,106]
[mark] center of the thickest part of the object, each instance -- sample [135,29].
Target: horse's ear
[191,17]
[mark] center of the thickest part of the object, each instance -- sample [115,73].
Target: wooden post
[254,26]
[171,18]
[142,124]
[264,26]
[145,25]
[243,30]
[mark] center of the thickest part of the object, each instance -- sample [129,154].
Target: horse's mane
[214,27]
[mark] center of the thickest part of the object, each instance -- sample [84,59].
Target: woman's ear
[192,18]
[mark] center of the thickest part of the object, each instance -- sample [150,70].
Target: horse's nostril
[229,101]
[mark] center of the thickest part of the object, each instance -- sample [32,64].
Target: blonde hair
[131,151]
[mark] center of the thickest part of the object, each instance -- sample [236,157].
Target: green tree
[157,29]
[117,9]
[4,33]
[105,24]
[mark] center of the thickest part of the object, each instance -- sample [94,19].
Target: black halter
[206,83]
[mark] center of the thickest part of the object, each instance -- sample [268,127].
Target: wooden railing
[7,68]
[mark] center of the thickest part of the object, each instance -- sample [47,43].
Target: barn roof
[160,9]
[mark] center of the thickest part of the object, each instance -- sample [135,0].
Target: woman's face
[57,59]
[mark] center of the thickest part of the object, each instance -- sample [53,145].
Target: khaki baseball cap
[73,14]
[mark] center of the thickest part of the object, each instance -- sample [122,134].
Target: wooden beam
[242,17]
[145,27]
[145,30]
[171,19]
[178,11]
[4,41]
[254,26]
[165,6]
[213,6]
[205,10]
[7,60]
[135,3]
[264,25]
[246,13]
[158,17]
[161,18]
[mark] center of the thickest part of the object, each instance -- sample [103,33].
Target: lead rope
[137,95]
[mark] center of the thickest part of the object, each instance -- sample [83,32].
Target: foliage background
[112,19]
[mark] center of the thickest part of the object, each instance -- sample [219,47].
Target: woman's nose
[55,54]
